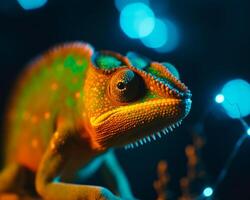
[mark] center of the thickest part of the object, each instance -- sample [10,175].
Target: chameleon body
[72,105]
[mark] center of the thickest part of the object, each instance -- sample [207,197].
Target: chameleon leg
[117,176]
[63,148]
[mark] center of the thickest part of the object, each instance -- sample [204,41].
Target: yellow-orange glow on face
[160,106]
[96,97]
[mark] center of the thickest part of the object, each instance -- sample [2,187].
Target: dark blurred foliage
[214,48]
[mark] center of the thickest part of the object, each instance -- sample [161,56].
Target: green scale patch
[107,62]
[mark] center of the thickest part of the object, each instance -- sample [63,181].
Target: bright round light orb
[208,191]
[172,36]
[31,4]
[237,98]
[248,131]
[219,98]
[158,37]
[120,4]
[137,20]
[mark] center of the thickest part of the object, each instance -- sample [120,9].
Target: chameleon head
[131,100]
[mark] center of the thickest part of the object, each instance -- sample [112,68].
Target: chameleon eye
[124,86]
[121,86]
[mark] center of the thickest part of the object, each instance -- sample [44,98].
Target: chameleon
[68,110]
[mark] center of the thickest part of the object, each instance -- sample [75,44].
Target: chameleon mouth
[154,136]
[123,123]
[161,133]
[106,116]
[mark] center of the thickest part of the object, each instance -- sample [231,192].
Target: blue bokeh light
[164,37]
[120,4]
[219,98]
[158,37]
[172,39]
[248,131]
[208,192]
[237,98]
[137,20]
[31,4]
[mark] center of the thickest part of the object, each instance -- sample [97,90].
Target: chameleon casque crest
[71,106]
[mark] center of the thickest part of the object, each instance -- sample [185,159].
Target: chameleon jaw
[124,123]
[102,118]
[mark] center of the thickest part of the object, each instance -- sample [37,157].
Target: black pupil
[120,85]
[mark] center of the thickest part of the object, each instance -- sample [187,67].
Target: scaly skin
[72,105]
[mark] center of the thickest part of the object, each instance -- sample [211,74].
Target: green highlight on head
[154,72]
[106,62]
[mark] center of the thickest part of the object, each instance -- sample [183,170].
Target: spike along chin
[153,137]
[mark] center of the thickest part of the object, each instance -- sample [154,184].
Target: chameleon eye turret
[125,86]
[144,97]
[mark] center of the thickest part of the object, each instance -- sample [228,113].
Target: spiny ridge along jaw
[154,136]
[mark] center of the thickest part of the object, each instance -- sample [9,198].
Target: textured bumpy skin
[71,106]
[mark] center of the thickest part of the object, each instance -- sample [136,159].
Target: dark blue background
[214,48]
